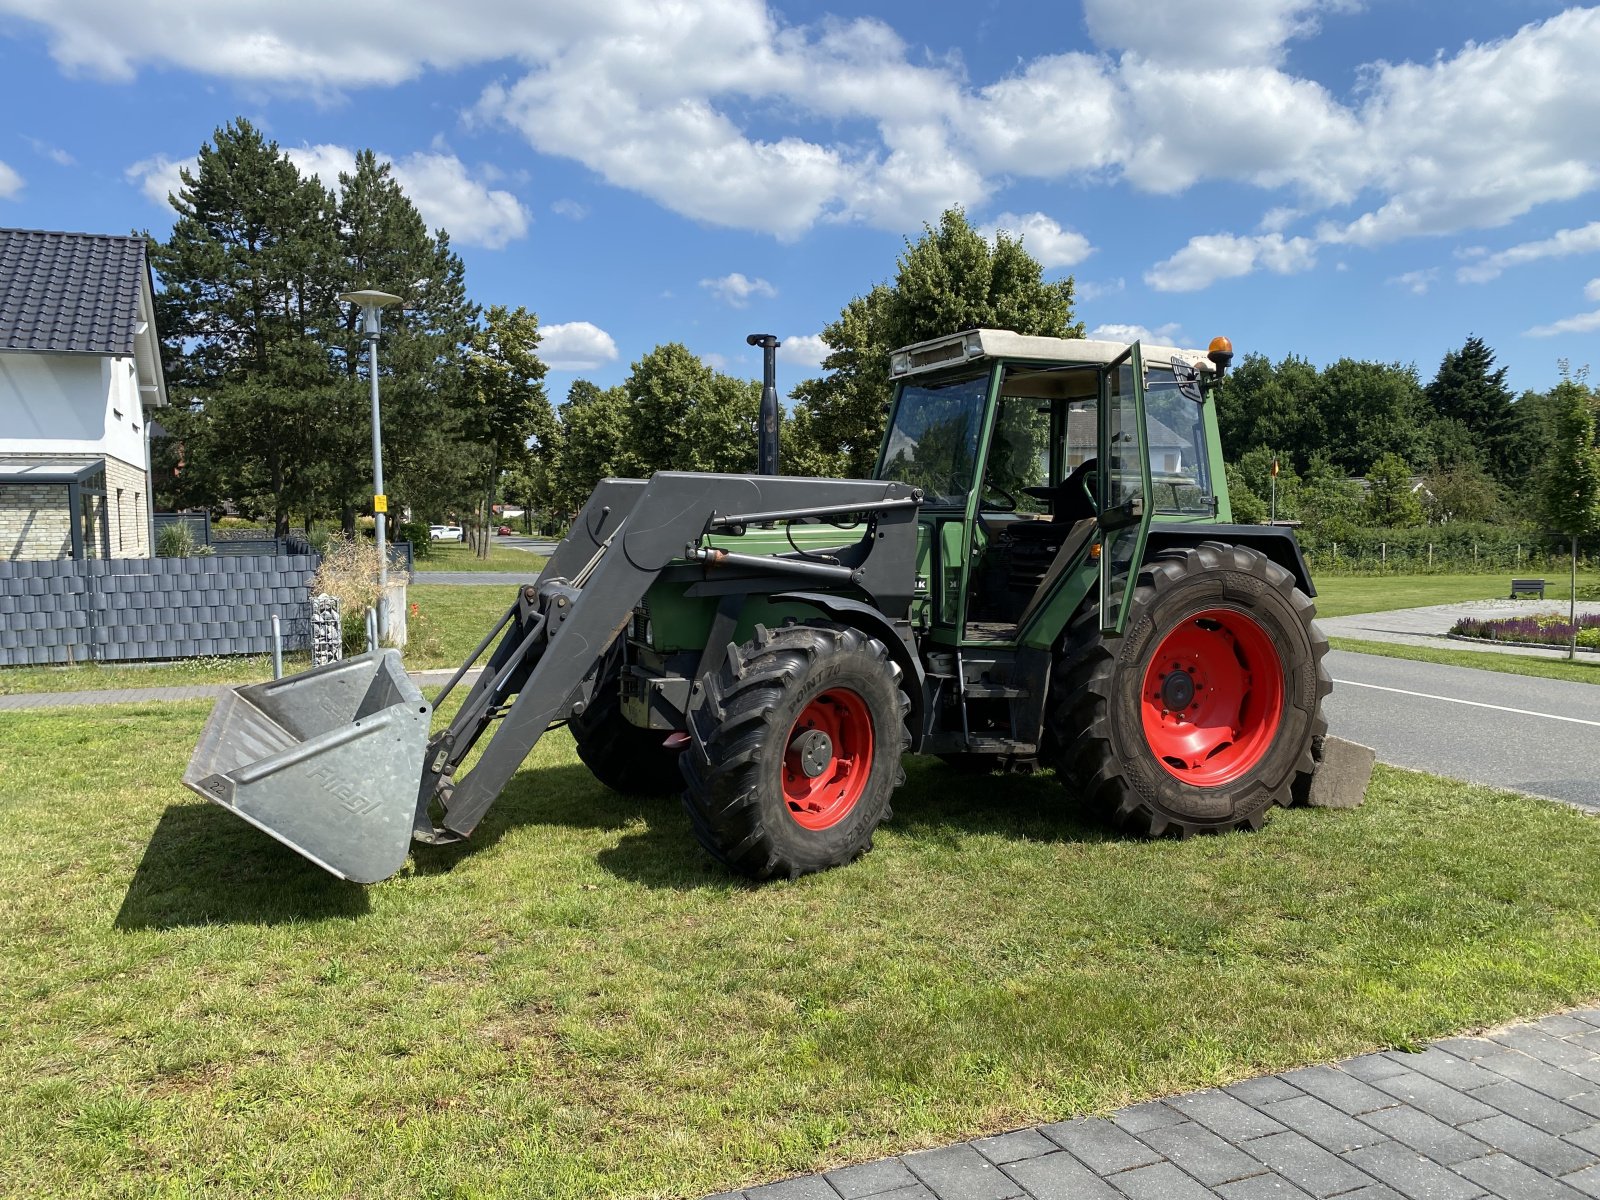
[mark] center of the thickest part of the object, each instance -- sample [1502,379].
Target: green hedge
[1342,548]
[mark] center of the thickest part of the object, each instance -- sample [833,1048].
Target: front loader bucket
[327,761]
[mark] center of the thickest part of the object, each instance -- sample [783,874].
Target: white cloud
[1416,282]
[1086,291]
[54,153]
[735,290]
[1043,238]
[438,184]
[1213,31]
[1582,323]
[804,350]
[570,209]
[661,99]
[158,176]
[10,182]
[447,197]
[576,346]
[1226,256]
[717,362]
[1162,335]
[1563,243]
[1591,290]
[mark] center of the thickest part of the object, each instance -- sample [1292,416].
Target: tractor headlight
[899,363]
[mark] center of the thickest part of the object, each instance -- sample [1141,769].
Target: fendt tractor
[1042,572]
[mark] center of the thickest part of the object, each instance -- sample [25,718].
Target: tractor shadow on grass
[937,805]
[204,866]
[661,854]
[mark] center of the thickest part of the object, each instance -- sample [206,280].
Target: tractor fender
[873,623]
[1271,541]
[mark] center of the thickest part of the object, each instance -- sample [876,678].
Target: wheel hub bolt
[815,751]
[1177,691]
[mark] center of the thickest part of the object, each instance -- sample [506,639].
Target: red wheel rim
[827,759]
[1212,698]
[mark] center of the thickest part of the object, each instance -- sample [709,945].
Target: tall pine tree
[385,245]
[1473,409]
[248,283]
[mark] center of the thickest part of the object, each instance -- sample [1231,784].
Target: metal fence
[124,609]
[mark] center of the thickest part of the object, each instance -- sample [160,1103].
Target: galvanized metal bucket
[328,762]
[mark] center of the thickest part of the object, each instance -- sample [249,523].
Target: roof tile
[69,292]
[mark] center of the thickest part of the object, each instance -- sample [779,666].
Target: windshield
[1176,429]
[933,439]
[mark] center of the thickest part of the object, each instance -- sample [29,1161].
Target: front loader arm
[560,628]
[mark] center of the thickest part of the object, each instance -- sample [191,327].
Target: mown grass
[1582,670]
[448,623]
[581,1005]
[1342,595]
[458,556]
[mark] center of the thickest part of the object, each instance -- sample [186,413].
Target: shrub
[349,573]
[415,532]
[175,541]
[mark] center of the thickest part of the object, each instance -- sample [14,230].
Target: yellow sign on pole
[380,504]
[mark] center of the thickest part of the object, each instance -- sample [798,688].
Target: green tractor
[1043,572]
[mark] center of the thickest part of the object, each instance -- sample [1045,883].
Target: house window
[92,516]
[122,541]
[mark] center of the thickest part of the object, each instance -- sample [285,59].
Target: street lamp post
[372,305]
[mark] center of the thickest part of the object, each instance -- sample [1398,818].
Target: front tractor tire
[1205,713]
[621,755]
[794,750]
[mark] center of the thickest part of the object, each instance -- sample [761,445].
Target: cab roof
[973,344]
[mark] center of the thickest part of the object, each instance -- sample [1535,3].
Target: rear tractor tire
[620,754]
[794,750]
[1205,713]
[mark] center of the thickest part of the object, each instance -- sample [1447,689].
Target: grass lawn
[448,623]
[580,1005]
[458,556]
[1341,595]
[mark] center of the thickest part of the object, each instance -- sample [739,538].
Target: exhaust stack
[767,428]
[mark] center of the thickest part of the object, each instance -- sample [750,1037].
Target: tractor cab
[1042,463]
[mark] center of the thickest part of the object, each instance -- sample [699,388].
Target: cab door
[1123,485]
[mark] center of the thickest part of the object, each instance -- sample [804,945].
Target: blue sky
[1320,177]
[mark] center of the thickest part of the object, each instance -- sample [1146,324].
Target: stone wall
[127,514]
[35,522]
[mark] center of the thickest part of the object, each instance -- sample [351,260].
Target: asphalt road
[1512,731]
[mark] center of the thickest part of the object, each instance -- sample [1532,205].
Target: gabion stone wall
[123,609]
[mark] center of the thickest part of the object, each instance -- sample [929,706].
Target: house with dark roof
[80,372]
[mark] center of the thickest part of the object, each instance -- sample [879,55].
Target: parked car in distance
[504,531]
[444,533]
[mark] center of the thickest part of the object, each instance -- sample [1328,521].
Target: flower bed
[1536,629]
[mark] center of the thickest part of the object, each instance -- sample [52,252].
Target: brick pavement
[1513,1114]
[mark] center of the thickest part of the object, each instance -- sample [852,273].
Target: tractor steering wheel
[1069,497]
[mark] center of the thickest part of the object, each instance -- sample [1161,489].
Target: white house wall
[71,404]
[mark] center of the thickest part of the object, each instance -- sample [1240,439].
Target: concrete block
[1100,1144]
[1013,1147]
[1322,1123]
[1058,1176]
[1342,774]
[1226,1115]
[1200,1152]
[871,1179]
[1412,1174]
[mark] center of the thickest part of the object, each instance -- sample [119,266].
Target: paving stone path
[1514,1114]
